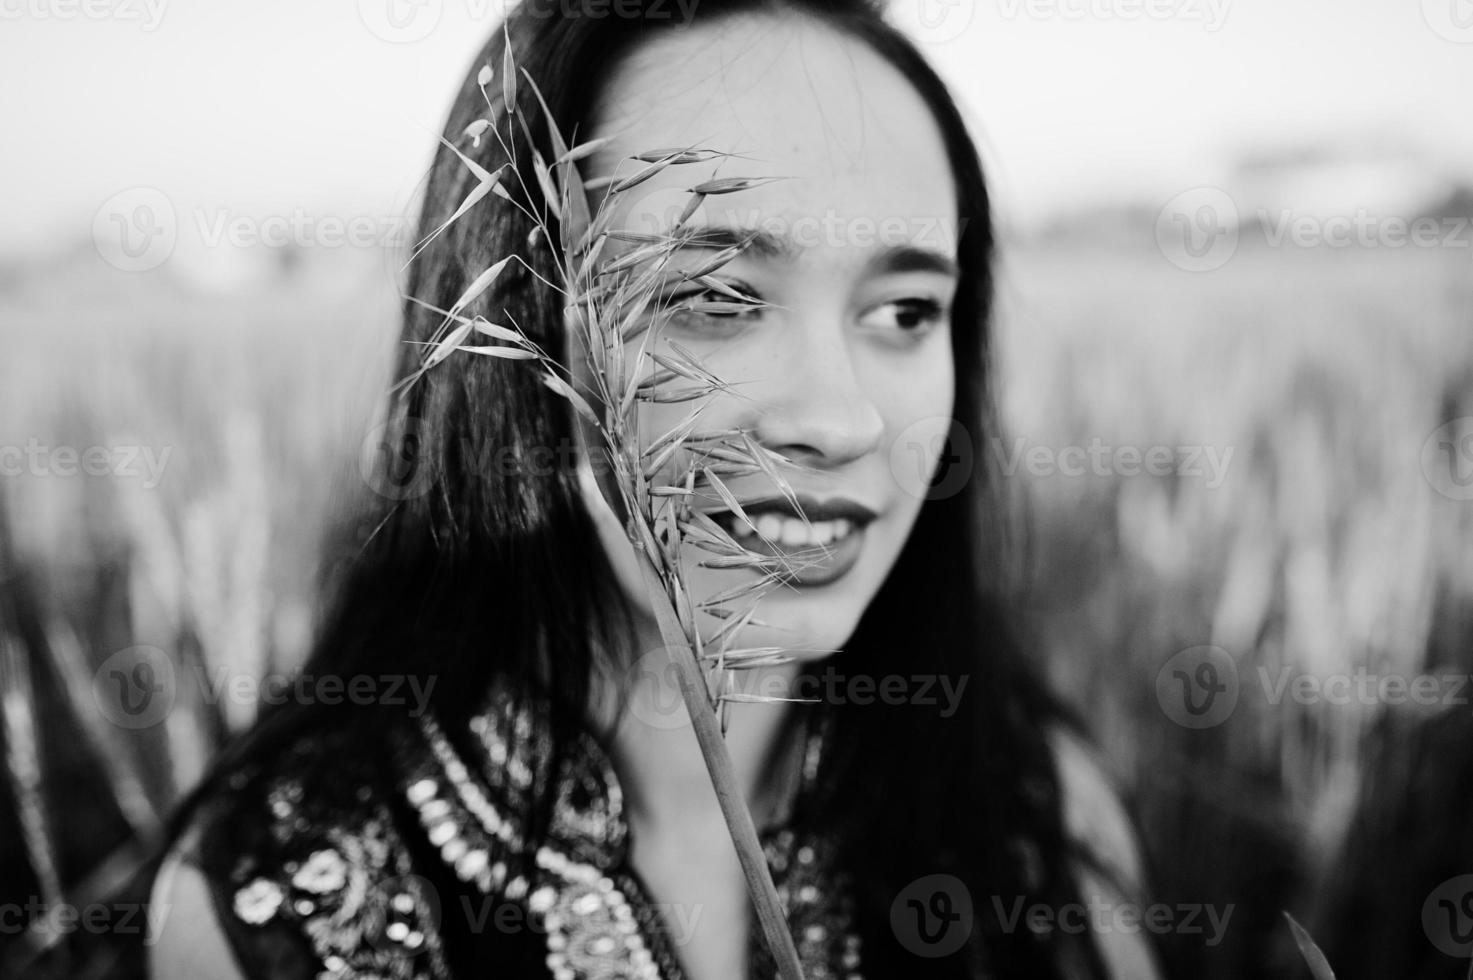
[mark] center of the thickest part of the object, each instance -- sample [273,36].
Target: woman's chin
[810,622]
[806,635]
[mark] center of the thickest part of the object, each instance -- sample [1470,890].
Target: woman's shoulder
[1095,817]
[293,865]
[1110,869]
[189,942]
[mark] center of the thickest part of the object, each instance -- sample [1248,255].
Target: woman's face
[857,255]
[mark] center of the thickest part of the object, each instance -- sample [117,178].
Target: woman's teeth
[789,531]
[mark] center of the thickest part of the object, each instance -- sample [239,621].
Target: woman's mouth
[820,551]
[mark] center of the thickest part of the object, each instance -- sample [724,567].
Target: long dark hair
[489,572]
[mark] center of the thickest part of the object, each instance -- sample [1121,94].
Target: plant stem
[723,777]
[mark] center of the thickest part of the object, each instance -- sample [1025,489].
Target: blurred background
[1235,337]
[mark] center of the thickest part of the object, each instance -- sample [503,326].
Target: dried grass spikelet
[619,302]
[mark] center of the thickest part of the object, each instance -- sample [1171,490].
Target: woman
[548,813]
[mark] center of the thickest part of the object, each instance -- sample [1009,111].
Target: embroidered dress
[341,862]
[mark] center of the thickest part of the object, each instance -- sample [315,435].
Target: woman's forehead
[849,136]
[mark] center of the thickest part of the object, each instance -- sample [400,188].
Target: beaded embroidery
[352,892]
[346,887]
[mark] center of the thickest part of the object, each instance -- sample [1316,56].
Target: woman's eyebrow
[913,258]
[765,244]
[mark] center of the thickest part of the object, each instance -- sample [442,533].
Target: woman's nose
[815,409]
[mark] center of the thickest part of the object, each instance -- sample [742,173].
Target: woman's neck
[679,842]
[659,762]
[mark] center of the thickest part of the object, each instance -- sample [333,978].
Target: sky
[275,106]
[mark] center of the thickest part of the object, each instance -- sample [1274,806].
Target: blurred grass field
[1324,547]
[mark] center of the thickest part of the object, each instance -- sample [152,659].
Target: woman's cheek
[916,402]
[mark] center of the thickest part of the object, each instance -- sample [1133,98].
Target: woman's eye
[714,304]
[911,315]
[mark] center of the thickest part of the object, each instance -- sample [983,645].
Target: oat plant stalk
[621,288]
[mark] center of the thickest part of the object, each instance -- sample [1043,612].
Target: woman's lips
[821,551]
[810,564]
